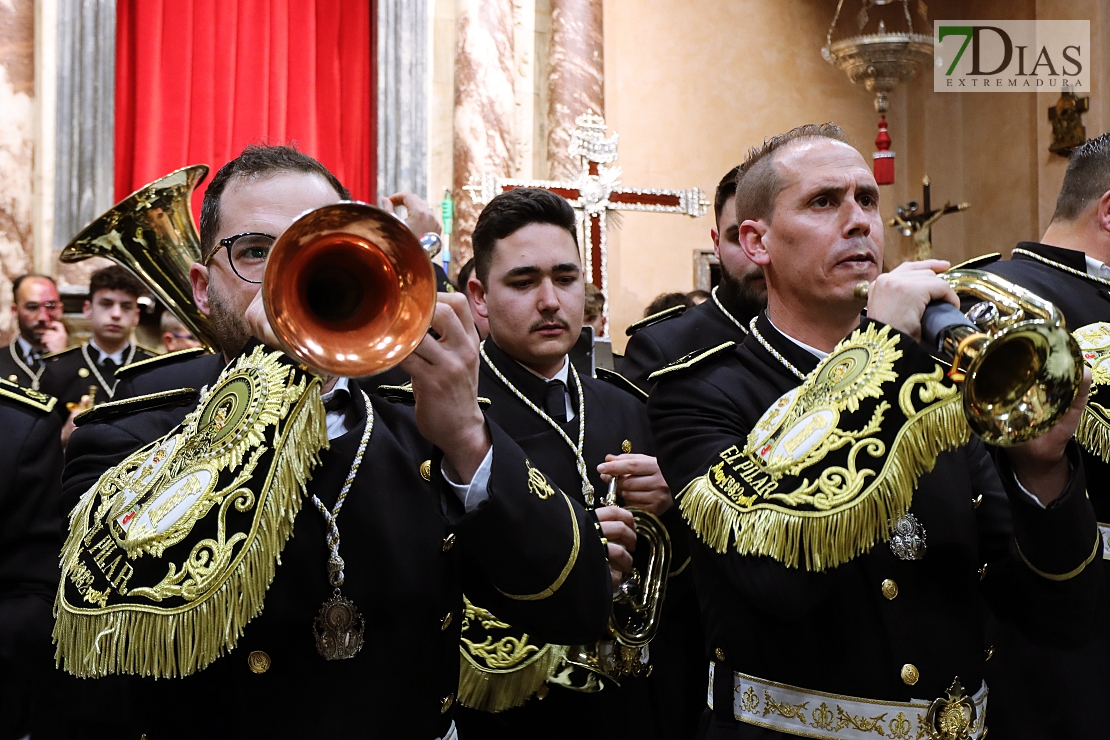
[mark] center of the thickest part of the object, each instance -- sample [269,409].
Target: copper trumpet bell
[349,290]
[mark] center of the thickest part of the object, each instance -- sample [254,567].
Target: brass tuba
[637,608]
[1018,366]
[152,233]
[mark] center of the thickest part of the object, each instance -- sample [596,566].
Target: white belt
[1105,530]
[807,713]
[452,733]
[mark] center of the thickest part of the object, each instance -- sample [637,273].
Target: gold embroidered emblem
[952,716]
[1093,433]
[749,700]
[783,709]
[822,717]
[537,482]
[900,727]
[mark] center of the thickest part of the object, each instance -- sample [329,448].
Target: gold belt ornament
[795,711]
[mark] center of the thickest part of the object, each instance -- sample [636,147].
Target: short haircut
[758,184]
[595,301]
[726,188]
[169,322]
[19,281]
[257,160]
[511,211]
[693,295]
[115,278]
[1086,180]
[464,274]
[663,301]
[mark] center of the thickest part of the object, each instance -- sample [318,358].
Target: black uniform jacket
[704,325]
[834,631]
[1020,669]
[409,551]
[10,370]
[612,416]
[30,478]
[69,375]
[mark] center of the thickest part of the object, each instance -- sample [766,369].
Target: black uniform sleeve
[642,357]
[534,555]
[1044,573]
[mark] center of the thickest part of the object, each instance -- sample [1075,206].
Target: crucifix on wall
[594,192]
[917,221]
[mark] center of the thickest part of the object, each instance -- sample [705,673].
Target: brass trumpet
[1018,365]
[637,608]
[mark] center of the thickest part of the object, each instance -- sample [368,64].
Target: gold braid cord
[171,552]
[832,464]
[1093,433]
[500,667]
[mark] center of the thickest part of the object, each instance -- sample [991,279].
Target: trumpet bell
[349,290]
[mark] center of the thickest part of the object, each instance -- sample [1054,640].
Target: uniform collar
[116,357]
[531,384]
[724,302]
[1069,257]
[793,351]
[26,350]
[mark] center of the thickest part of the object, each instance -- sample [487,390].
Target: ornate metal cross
[594,192]
[917,221]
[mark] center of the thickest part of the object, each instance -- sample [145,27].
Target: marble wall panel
[575,78]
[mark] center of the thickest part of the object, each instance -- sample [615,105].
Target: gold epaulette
[113,409]
[27,396]
[59,353]
[404,394]
[977,263]
[144,364]
[688,361]
[655,318]
[614,378]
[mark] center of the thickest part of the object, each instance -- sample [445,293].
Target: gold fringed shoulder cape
[1093,433]
[170,553]
[832,464]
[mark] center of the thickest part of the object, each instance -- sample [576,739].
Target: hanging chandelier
[880,61]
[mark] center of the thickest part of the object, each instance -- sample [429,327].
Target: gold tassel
[93,643]
[495,691]
[834,539]
[1093,434]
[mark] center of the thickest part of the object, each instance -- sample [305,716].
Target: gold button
[258,661]
[449,542]
[82,373]
[890,589]
[13,378]
[910,674]
[426,470]
[988,653]
[626,446]
[447,702]
[720,654]
[976,501]
[983,572]
[445,622]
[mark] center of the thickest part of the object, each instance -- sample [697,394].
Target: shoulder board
[655,318]
[688,361]
[149,362]
[66,351]
[34,399]
[404,394]
[976,263]
[113,409]
[615,378]
[151,350]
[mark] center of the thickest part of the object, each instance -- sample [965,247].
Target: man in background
[37,309]
[175,335]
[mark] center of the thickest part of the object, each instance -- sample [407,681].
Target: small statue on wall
[1068,130]
[913,220]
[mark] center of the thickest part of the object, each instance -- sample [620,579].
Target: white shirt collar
[24,346]
[812,350]
[116,357]
[563,374]
[1097,269]
[341,384]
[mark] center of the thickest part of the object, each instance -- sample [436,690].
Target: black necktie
[108,365]
[555,402]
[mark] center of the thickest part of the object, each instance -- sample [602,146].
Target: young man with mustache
[847,533]
[37,309]
[345,612]
[581,432]
[666,336]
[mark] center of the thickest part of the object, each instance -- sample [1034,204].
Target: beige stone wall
[690,86]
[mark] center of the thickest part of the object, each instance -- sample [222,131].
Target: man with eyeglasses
[37,309]
[282,490]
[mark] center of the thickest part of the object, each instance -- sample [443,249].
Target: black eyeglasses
[247,254]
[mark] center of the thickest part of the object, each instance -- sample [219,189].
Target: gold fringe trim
[829,540]
[495,691]
[1093,434]
[149,642]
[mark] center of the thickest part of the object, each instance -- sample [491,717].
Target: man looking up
[406,506]
[665,337]
[865,580]
[581,433]
[37,309]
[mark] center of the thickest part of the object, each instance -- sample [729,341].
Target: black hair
[511,211]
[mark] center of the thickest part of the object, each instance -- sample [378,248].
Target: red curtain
[197,80]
